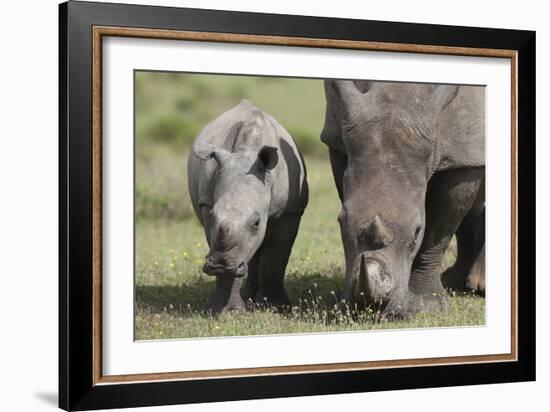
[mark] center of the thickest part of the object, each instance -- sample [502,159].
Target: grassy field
[171,289]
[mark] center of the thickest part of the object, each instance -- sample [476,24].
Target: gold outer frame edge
[101,31]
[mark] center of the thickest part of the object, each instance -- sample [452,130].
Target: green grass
[161,183]
[171,323]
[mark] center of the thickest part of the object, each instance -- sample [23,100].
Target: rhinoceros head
[388,131]
[236,221]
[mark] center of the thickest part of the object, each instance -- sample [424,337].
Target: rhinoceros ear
[206,151]
[363,85]
[348,94]
[268,157]
[442,96]
[230,140]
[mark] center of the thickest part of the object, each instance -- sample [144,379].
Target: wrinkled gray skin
[409,162]
[247,182]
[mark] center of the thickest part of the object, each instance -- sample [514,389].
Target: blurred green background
[172,108]
[170,111]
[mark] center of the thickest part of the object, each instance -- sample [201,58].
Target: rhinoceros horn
[378,235]
[362,287]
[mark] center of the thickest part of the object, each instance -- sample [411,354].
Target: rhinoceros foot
[459,281]
[453,279]
[476,282]
[218,305]
[226,296]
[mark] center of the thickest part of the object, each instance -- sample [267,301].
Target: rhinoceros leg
[476,277]
[227,295]
[470,240]
[274,259]
[449,198]
[252,283]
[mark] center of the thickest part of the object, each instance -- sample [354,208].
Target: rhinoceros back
[461,130]
[460,138]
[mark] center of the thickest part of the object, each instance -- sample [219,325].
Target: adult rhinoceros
[247,183]
[408,161]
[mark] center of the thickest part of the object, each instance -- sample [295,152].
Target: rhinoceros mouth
[216,269]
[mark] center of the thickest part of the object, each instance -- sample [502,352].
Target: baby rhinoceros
[247,182]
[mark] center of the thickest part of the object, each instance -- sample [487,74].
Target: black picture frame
[77,390]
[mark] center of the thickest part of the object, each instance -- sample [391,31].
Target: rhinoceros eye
[255,223]
[414,241]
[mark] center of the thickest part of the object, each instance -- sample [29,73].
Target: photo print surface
[271,205]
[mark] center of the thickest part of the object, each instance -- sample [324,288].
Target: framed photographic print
[257,205]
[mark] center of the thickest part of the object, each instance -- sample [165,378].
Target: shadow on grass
[192,296]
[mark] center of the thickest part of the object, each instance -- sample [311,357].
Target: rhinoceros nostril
[224,231]
[241,270]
